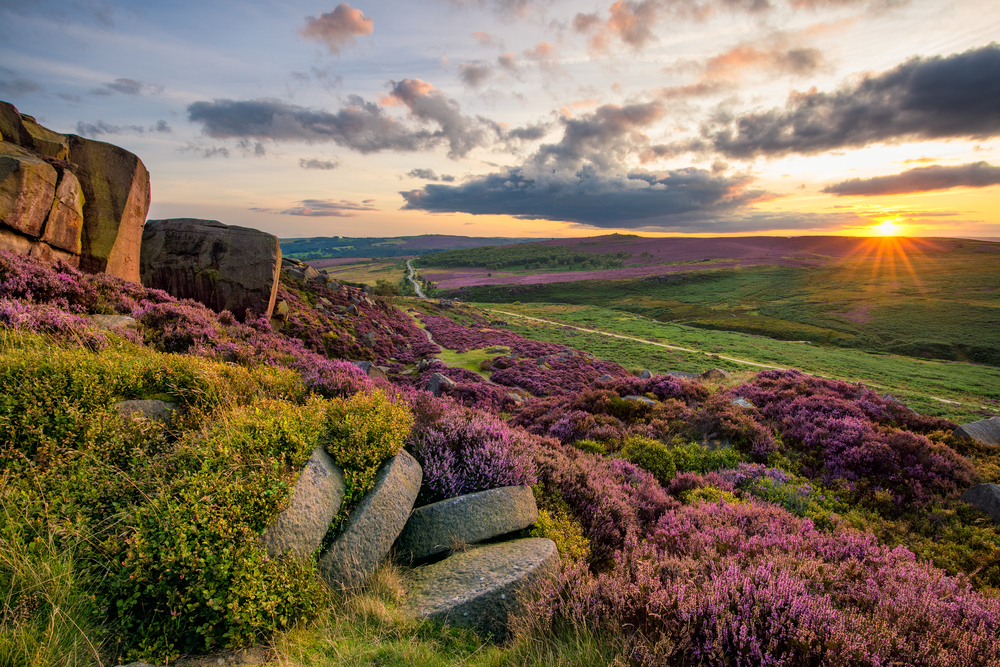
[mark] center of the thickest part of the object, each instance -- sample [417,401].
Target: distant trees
[529,256]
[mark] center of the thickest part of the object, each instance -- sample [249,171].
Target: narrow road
[416,286]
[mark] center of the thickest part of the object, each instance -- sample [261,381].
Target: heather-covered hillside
[776,518]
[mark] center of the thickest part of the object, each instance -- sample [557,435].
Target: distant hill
[321,247]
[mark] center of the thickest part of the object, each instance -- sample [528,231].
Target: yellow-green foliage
[650,455]
[591,446]
[362,431]
[711,494]
[556,522]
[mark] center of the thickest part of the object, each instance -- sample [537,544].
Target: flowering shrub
[566,373]
[749,584]
[458,337]
[850,438]
[464,451]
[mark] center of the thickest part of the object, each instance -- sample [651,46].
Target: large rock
[985,497]
[224,267]
[316,499]
[12,129]
[986,431]
[481,588]
[374,525]
[467,519]
[44,141]
[64,228]
[116,199]
[27,189]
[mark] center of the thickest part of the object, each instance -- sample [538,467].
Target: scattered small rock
[438,383]
[742,402]
[605,378]
[640,399]
[111,321]
[147,409]
[985,497]
[715,374]
[986,431]
[645,374]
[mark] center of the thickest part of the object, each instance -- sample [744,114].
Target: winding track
[416,286]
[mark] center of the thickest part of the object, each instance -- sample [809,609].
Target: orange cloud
[338,28]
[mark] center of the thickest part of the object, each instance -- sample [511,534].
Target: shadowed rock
[224,267]
[374,525]
[467,519]
[985,497]
[316,499]
[715,374]
[645,374]
[27,190]
[481,588]
[985,430]
[439,383]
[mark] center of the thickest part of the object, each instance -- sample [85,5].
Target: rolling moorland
[764,517]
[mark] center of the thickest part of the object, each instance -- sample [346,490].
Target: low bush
[651,455]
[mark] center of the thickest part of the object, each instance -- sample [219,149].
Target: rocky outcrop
[467,519]
[986,431]
[374,525]
[985,497]
[481,588]
[316,499]
[66,198]
[224,267]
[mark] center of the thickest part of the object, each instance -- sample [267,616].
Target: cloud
[316,163]
[474,73]
[541,51]
[360,125]
[923,98]
[161,126]
[604,137]
[508,63]
[430,175]
[127,87]
[338,29]
[322,208]
[505,9]
[99,128]
[486,39]
[13,85]
[205,151]
[920,179]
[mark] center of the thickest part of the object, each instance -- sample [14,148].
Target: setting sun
[889,227]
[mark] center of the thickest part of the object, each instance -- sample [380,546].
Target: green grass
[915,381]
[943,307]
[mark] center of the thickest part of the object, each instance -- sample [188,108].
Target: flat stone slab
[374,525]
[147,409]
[434,528]
[985,430]
[985,497]
[316,499]
[480,588]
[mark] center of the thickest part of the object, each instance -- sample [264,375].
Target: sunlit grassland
[469,360]
[918,382]
[945,306]
[393,270]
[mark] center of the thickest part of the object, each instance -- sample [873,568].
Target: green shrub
[650,455]
[693,457]
[556,522]
[362,432]
[591,446]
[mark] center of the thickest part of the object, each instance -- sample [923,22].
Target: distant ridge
[322,247]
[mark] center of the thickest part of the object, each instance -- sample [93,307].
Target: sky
[533,118]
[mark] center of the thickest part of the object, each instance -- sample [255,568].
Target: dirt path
[716,356]
[420,292]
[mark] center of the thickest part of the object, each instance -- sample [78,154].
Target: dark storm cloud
[316,163]
[430,175]
[339,28]
[602,137]
[588,197]
[13,85]
[920,179]
[957,96]
[322,208]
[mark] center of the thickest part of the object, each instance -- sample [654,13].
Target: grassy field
[973,389]
[368,273]
[936,307]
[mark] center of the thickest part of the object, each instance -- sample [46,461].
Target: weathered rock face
[374,525]
[467,519]
[299,529]
[66,198]
[985,497]
[480,588]
[985,430]
[223,267]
